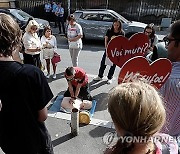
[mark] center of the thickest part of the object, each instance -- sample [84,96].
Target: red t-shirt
[80,77]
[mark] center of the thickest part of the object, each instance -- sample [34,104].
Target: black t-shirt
[23,92]
[111,34]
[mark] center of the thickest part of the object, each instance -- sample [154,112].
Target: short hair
[70,71]
[47,28]
[10,35]
[30,24]
[71,17]
[175,30]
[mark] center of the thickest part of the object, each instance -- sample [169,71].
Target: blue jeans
[103,67]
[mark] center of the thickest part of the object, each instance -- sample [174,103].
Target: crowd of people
[136,108]
[55,12]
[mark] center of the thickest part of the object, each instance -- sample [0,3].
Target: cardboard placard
[120,49]
[155,73]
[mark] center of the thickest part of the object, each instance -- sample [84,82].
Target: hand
[38,49]
[71,101]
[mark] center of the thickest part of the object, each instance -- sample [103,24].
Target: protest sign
[138,67]
[120,49]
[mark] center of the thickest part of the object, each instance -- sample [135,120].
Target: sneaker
[48,76]
[109,81]
[54,76]
[97,78]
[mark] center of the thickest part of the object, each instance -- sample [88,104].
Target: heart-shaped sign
[155,73]
[120,49]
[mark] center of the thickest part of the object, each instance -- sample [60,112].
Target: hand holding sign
[155,73]
[120,49]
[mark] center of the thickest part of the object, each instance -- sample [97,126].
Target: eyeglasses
[148,32]
[33,28]
[168,40]
[70,79]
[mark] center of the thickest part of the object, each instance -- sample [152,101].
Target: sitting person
[138,112]
[77,84]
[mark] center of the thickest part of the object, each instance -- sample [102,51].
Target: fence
[147,11]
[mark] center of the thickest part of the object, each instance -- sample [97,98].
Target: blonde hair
[10,35]
[30,24]
[137,109]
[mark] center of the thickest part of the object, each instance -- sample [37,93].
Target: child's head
[136,109]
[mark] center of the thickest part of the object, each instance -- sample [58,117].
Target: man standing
[47,8]
[24,94]
[78,86]
[60,17]
[54,8]
[171,89]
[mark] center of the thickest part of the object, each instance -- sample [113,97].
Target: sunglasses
[33,28]
[148,32]
[168,40]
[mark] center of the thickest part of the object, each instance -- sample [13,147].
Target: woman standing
[74,35]
[49,45]
[32,44]
[150,32]
[115,30]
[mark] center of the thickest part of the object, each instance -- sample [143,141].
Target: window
[107,17]
[92,17]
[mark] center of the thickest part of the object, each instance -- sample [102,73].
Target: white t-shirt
[31,42]
[74,31]
[52,41]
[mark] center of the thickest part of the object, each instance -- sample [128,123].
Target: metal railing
[147,11]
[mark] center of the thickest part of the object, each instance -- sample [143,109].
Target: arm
[77,90]
[105,41]
[42,114]
[71,89]
[34,50]
[0,105]
[75,38]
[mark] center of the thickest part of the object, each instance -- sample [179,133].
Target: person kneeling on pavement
[78,93]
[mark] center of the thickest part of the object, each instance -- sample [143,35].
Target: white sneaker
[54,76]
[48,76]
[97,78]
[109,81]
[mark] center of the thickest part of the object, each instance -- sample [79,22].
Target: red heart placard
[120,49]
[155,73]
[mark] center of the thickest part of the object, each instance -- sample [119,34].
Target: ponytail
[122,146]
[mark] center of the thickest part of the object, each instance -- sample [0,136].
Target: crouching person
[78,93]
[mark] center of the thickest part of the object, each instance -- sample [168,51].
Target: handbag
[56,58]
[74,45]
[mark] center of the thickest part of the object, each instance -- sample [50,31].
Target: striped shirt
[171,93]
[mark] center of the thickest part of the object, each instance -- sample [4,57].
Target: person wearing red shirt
[78,86]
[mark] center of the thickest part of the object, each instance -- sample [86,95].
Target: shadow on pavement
[101,101]
[58,76]
[62,139]
[99,132]
[96,84]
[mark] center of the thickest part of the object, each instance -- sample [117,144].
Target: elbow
[42,115]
